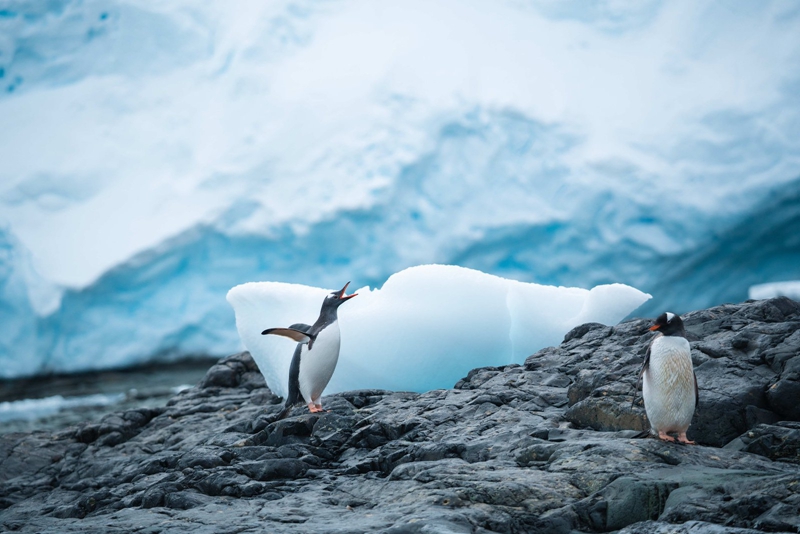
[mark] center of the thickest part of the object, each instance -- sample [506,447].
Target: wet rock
[783,395]
[689,527]
[625,501]
[549,446]
[238,370]
[273,469]
[780,441]
[605,414]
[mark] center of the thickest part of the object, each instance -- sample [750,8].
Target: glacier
[426,327]
[154,155]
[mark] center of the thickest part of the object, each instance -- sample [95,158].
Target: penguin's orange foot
[665,437]
[314,408]
[683,439]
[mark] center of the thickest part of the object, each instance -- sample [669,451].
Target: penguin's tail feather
[282,415]
[291,400]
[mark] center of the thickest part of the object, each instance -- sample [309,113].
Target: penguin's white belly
[668,385]
[317,364]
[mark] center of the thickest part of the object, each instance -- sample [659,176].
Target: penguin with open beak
[316,354]
[669,385]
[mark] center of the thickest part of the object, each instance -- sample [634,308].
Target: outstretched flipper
[291,333]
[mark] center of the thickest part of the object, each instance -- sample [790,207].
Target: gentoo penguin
[316,354]
[669,385]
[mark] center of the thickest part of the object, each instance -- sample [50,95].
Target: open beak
[341,293]
[654,327]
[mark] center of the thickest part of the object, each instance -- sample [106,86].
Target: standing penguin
[316,354]
[669,385]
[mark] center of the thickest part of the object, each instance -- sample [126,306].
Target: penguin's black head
[337,298]
[669,324]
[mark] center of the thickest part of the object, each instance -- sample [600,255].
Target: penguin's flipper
[306,329]
[645,365]
[696,391]
[291,333]
[646,362]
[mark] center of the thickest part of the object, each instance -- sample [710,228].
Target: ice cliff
[154,155]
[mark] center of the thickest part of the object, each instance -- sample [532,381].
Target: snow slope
[156,154]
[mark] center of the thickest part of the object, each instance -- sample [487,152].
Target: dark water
[53,403]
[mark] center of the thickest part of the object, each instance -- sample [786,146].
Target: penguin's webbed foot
[683,439]
[314,408]
[663,436]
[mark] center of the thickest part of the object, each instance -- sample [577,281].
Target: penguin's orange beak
[341,293]
[655,327]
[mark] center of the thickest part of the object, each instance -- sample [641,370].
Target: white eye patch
[670,316]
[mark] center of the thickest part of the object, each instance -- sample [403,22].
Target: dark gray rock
[689,527]
[780,441]
[744,360]
[549,446]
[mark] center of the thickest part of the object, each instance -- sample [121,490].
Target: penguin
[669,385]
[316,354]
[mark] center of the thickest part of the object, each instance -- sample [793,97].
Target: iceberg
[426,327]
[789,289]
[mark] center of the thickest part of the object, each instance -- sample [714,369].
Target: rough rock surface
[550,446]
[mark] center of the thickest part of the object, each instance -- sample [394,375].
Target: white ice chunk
[426,327]
[789,289]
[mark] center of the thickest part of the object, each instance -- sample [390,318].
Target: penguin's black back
[294,378]
[294,396]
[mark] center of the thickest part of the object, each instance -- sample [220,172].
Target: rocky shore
[548,446]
